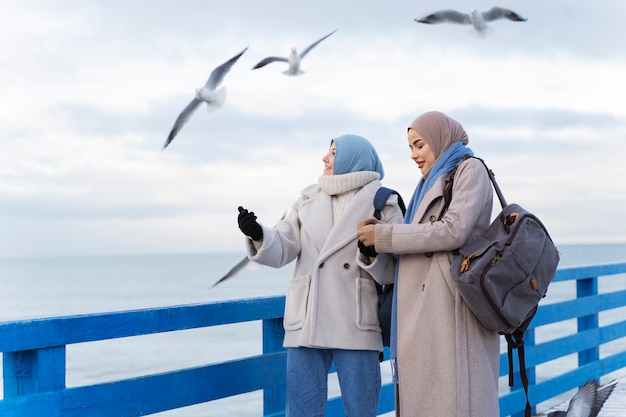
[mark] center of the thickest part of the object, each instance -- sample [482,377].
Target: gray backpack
[503,274]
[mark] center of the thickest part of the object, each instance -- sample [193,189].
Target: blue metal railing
[585,341]
[34,356]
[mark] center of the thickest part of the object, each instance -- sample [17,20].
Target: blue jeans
[358,372]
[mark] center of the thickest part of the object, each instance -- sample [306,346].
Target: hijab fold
[444,164]
[354,154]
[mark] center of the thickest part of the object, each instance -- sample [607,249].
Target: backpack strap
[447,191]
[382,194]
[515,340]
[496,187]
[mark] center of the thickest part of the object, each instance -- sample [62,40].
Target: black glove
[367,250]
[248,224]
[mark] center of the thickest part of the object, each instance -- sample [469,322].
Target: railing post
[585,288]
[274,398]
[33,371]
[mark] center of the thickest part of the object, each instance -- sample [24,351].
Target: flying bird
[588,401]
[475,18]
[238,266]
[293,59]
[233,271]
[208,94]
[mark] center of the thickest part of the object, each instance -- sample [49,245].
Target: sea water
[45,287]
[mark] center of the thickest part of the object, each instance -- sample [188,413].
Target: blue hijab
[354,154]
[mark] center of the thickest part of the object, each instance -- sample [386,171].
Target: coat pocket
[366,305]
[296,302]
[444,260]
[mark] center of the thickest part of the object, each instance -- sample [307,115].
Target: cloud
[538,118]
[91,89]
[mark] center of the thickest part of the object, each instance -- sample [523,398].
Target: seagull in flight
[238,266]
[233,271]
[293,60]
[588,401]
[213,98]
[475,18]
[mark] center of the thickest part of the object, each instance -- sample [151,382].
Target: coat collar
[431,195]
[316,217]
[316,214]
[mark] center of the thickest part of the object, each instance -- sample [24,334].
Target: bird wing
[582,402]
[308,48]
[269,60]
[233,271]
[239,266]
[217,75]
[182,119]
[446,16]
[500,12]
[603,395]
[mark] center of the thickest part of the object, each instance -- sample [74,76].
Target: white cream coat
[448,363]
[331,301]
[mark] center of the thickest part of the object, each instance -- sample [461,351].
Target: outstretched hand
[248,224]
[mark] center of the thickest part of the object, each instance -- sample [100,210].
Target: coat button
[429,254]
[433,218]
[346,266]
[322,265]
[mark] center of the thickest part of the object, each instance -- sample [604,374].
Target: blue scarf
[444,164]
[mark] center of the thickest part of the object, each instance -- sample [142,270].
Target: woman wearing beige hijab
[445,362]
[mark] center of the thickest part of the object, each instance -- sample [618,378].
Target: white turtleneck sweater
[343,187]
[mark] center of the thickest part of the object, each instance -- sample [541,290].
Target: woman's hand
[366,230]
[248,224]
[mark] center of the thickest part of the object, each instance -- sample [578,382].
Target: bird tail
[486,32]
[220,98]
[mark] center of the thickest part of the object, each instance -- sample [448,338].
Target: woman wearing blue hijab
[331,310]
[446,362]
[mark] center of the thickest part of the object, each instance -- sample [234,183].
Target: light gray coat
[447,361]
[331,301]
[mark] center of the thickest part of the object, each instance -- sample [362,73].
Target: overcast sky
[89,91]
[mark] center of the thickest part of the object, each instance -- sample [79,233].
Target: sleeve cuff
[383,235]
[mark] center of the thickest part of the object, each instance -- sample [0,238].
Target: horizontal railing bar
[554,349]
[591,271]
[572,309]
[59,331]
[155,393]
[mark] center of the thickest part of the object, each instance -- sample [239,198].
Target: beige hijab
[439,131]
